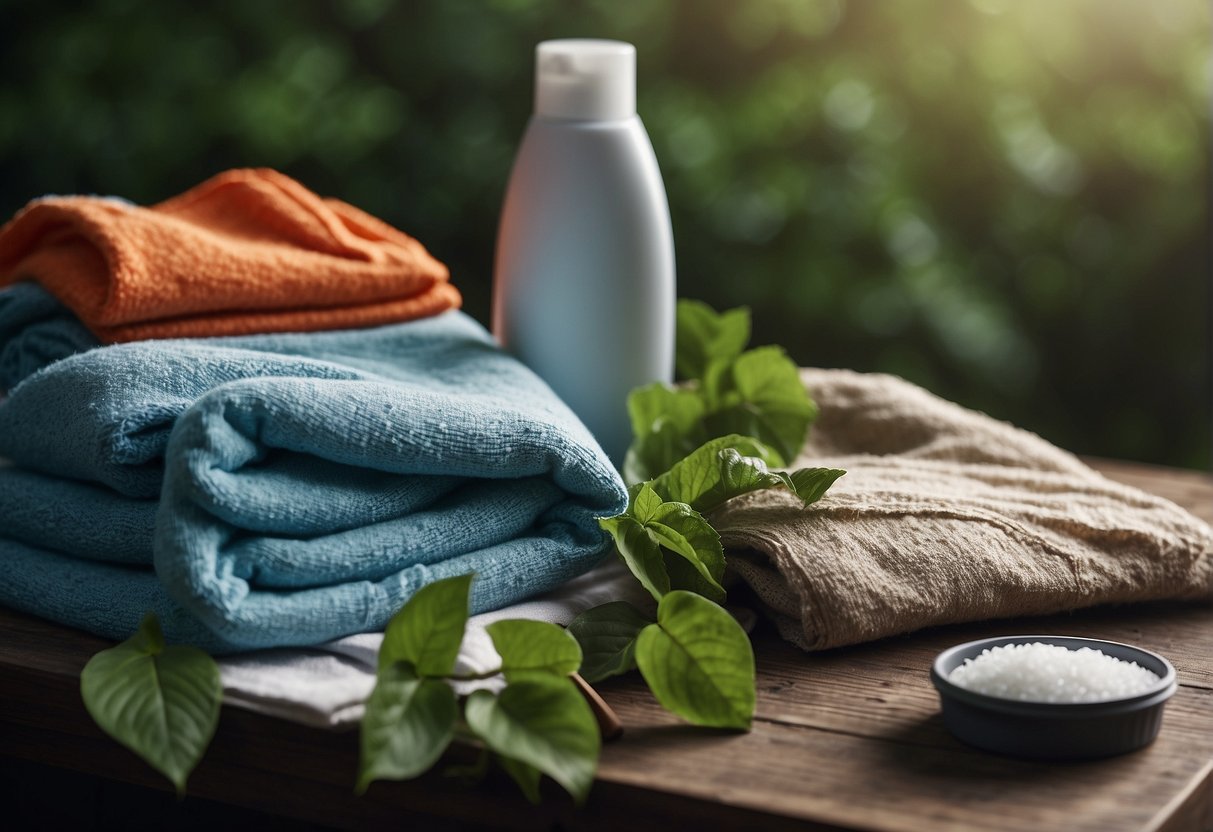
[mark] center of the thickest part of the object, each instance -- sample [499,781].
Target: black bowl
[1053,730]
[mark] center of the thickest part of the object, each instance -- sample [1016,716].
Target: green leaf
[698,662]
[607,635]
[544,722]
[682,530]
[743,474]
[409,722]
[769,402]
[160,702]
[534,647]
[756,393]
[700,479]
[645,504]
[655,452]
[683,575]
[666,424]
[428,630]
[811,484]
[525,775]
[656,404]
[716,386]
[668,527]
[639,551]
[733,465]
[703,336]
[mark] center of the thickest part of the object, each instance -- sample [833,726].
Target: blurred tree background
[1006,201]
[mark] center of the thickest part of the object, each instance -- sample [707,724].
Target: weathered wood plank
[900,783]
[1191,489]
[881,689]
[293,771]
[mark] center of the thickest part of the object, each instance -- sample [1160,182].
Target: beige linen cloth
[946,515]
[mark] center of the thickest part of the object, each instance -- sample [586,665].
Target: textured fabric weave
[36,330]
[946,515]
[247,251]
[293,488]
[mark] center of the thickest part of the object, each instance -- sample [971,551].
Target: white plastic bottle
[584,277]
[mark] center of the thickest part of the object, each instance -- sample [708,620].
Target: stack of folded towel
[245,252]
[295,480]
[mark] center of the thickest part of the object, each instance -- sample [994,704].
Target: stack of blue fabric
[285,489]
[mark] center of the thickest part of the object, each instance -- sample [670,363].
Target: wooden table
[847,739]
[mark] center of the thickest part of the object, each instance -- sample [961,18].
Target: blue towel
[289,489]
[35,330]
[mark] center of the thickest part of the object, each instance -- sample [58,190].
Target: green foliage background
[1003,200]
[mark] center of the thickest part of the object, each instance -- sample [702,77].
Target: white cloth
[326,686]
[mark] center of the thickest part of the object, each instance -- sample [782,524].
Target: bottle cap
[585,79]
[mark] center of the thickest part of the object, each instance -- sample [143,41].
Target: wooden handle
[608,721]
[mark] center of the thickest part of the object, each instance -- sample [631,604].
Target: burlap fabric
[946,515]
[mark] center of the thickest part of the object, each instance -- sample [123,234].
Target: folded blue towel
[307,484]
[35,330]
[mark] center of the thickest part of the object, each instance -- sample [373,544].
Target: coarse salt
[1039,672]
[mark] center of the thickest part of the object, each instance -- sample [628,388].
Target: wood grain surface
[844,739]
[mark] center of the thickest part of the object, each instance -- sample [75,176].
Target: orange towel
[246,251]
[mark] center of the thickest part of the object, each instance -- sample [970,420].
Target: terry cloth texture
[290,489]
[247,251]
[35,330]
[946,515]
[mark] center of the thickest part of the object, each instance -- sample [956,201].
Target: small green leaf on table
[160,702]
[543,722]
[428,630]
[409,722]
[528,647]
[698,662]
[607,635]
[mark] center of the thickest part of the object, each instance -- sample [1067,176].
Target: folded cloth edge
[854,417]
